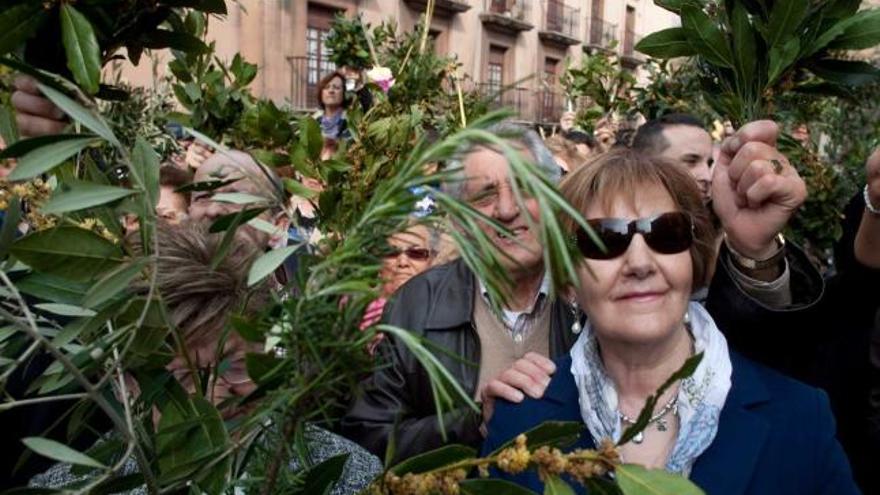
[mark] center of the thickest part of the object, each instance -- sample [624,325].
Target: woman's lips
[641,296]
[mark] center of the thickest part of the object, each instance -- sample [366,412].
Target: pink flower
[382,76]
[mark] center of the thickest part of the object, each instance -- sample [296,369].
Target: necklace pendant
[661,425]
[639,438]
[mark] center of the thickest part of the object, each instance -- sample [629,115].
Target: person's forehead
[687,138]
[414,236]
[485,164]
[645,201]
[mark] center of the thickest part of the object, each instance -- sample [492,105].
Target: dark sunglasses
[668,233]
[418,254]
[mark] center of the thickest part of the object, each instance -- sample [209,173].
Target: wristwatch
[753,264]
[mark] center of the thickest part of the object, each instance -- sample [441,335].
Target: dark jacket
[438,305]
[397,400]
[775,435]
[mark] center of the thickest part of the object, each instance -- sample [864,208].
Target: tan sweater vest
[498,350]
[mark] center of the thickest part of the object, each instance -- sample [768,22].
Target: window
[495,73]
[318,55]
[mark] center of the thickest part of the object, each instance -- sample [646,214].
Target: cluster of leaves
[72,297]
[143,113]
[76,41]
[751,51]
[601,82]
[348,44]
[671,89]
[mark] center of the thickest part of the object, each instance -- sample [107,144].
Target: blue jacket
[776,436]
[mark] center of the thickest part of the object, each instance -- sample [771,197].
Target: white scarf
[700,396]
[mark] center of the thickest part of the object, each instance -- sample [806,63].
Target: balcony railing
[562,18]
[551,105]
[600,33]
[542,106]
[515,99]
[514,9]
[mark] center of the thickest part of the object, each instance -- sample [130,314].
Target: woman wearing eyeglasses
[733,426]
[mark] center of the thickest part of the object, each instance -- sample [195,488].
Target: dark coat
[397,399]
[775,435]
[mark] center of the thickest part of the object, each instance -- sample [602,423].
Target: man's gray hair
[518,134]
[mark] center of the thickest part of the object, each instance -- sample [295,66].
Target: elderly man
[447,304]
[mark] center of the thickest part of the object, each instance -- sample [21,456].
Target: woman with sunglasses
[732,426]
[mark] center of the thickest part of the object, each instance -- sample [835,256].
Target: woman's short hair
[319,90]
[617,176]
[175,178]
[201,299]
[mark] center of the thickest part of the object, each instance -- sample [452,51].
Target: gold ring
[777,166]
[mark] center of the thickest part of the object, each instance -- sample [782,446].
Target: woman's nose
[639,259]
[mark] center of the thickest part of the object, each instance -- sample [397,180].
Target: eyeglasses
[418,254]
[668,233]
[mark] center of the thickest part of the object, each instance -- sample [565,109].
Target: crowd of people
[786,398]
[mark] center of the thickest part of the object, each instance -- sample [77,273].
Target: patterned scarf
[700,396]
[330,126]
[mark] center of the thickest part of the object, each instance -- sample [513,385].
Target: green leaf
[49,288]
[636,480]
[163,38]
[45,158]
[60,452]
[744,43]
[205,185]
[862,31]
[8,127]
[239,198]
[781,58]
[310,137]
[839,9]
[296,188]
[81,48]
[25,146]
[554,485]
[846,72]
[68,252]
[113,283]
[65,310]
[443,456]
[321,478]
[785,19]
[233,220]
[667,43]
[828,36]
[19,23]
[84,195]
[10,225]
[549,433]
[79,113]
[492,487]
[267,263]
[191,433]
[145,170]
[705,37]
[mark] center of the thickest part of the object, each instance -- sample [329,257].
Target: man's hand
[34,113]
[755,190]
[867,242]
[529,374]
[872,173]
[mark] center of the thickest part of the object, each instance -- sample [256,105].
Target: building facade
[519,45]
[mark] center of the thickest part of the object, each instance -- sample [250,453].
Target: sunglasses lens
[670,233]
[417,254]
[613,233]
